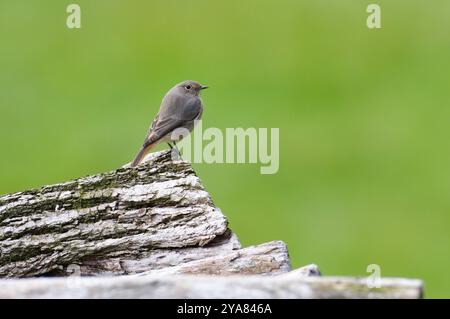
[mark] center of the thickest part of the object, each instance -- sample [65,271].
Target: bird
[180,108]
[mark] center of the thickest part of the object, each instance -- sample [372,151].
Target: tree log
[291,285]
[158,214]
[267,259]
[157,227]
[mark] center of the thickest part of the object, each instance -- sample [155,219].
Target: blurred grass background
[363,114]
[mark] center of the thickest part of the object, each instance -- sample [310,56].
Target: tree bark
[108,223]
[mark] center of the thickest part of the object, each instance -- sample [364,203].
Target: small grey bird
[180,108]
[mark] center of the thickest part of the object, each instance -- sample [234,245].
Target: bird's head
[190,87]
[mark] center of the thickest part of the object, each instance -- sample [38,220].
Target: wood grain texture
[150,232]
[266,259]
[131,214]
[288,285]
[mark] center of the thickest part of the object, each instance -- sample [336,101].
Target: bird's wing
[179,113]
[152,126]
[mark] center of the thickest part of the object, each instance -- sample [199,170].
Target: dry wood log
[158,227]
[156,215]
[267,259]
[291,285]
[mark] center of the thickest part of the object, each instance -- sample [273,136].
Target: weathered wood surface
[156,215]
[267,259]
[157,227]
[291,285]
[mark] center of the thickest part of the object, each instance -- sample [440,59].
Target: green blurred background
[363,114]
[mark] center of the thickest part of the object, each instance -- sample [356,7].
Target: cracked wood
[159,208]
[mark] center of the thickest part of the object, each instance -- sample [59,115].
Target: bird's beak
[203,87]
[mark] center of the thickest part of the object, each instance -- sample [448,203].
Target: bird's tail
[140,156]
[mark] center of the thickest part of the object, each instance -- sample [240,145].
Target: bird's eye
[188,87]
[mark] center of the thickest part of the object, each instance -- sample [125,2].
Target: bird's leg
[176,152]
[176,147]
